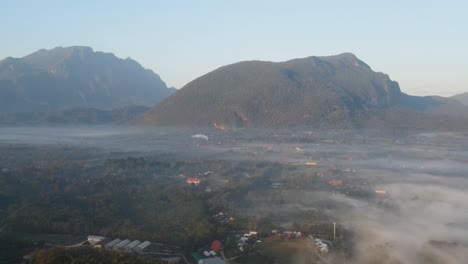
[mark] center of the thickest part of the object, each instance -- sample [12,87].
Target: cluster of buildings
[276,185]
[210,256]
[320,245]
[223,217]
[244,240]
[349,186]
[196,180]
[118,244]
[287,235]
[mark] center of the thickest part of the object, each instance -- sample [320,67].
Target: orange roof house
[335,182]
[216,245]
[193,181]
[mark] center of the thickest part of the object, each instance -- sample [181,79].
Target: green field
[56,239]
[284,252]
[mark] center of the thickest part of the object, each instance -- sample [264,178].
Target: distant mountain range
[463,98]
[78,85]
[333,91]
[76,77]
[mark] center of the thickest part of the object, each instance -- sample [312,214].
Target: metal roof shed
[142,246]
[133,244]
[112,243]
[216,260]
[122,244]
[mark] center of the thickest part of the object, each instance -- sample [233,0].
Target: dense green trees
[149,199]
[130,200]
[86,255]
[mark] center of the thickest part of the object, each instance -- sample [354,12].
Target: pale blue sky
[420,44]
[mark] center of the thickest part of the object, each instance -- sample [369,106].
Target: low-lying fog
[423,218]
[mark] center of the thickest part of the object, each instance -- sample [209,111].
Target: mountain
[73,116]
[463,98]
[332,91]
[76,77]
[432,113]
[295,92]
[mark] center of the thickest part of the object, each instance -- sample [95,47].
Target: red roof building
[335,182]
[193,180]
[216,245]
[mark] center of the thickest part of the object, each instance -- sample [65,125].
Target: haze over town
[234,132]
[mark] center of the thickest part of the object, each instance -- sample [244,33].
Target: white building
[323,249]
[93,240]
[251,233]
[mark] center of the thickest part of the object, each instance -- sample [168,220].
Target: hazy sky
[420,44]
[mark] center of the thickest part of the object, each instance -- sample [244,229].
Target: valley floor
[135,185]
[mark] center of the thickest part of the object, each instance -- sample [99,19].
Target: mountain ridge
[73,77]
[326,91]
[287,81]
[462,98]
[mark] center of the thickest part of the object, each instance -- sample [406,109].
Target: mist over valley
[401,198]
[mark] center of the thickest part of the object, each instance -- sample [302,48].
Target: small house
[195,181]
[93,240]
[102,243]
